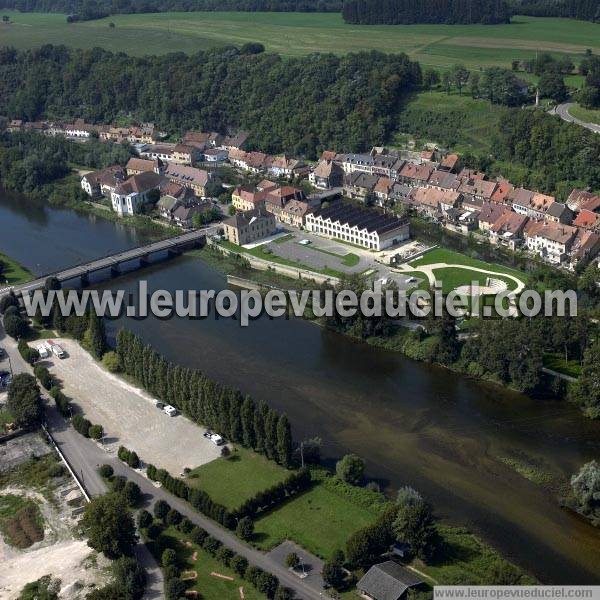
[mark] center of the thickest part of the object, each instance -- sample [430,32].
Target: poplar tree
[284,441]
[96,336]
[247,422]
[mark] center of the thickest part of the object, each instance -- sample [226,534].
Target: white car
[216,439]
[304,242]
[170,410]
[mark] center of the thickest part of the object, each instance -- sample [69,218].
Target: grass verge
[13,273]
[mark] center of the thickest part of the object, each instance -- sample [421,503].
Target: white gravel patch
[129,415]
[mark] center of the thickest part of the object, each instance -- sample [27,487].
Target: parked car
[216,439]
[5,379]
[170,410]
[160,405]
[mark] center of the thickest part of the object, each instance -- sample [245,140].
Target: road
[562,110]
[85,456]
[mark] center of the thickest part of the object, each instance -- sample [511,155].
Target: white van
[170,410]
[43,351]
[56,349]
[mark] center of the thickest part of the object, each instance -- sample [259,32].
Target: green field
[443,255]
[231,481]
[433,116]
[208,586]
[13,273]
[293,34]
[320,520]
[454,277]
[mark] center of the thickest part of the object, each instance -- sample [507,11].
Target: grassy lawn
[442,255]
[13,273]
[585,114]
[320,520]
[294,34]
[208,586]
[454,277]
[230,481]
[432,115]
[259,252]
[21,522]
[464,558]
[556,361]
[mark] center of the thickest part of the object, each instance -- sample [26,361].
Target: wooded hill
[300,106]
[396,12]
[585,10]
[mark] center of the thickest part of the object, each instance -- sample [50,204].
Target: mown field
[293,34]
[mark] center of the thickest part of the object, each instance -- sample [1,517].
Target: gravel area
[129,415]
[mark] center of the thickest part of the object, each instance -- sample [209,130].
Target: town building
[91,183]
[364,227]
[326,175]
[294,213]
[550,241]
[359,185]
[247,198]
[249,226]
[188,177]
[135,166]
[508,230]
[276,199]
[133,193]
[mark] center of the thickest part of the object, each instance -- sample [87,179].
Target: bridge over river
[173,246]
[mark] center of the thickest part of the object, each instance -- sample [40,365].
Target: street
[562,110]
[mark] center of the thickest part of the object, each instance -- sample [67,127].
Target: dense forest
[97,9]
[301,106]
[559,155]
[395,12]
[588,10]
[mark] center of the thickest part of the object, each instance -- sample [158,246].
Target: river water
[447,436]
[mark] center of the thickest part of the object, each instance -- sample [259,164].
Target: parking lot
[129,415]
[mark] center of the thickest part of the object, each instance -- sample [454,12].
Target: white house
[129,196]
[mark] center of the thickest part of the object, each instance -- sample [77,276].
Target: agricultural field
[231,481]
[294,34]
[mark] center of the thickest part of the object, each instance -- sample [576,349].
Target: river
[447,436]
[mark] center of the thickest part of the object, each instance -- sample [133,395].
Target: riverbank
[141,223]
[12,273]
[410,340]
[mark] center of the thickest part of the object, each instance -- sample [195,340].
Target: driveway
[562,110]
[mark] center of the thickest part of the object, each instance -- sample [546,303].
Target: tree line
[85,10]
[240,419]
[450,12]
[585,10]
[299,105]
